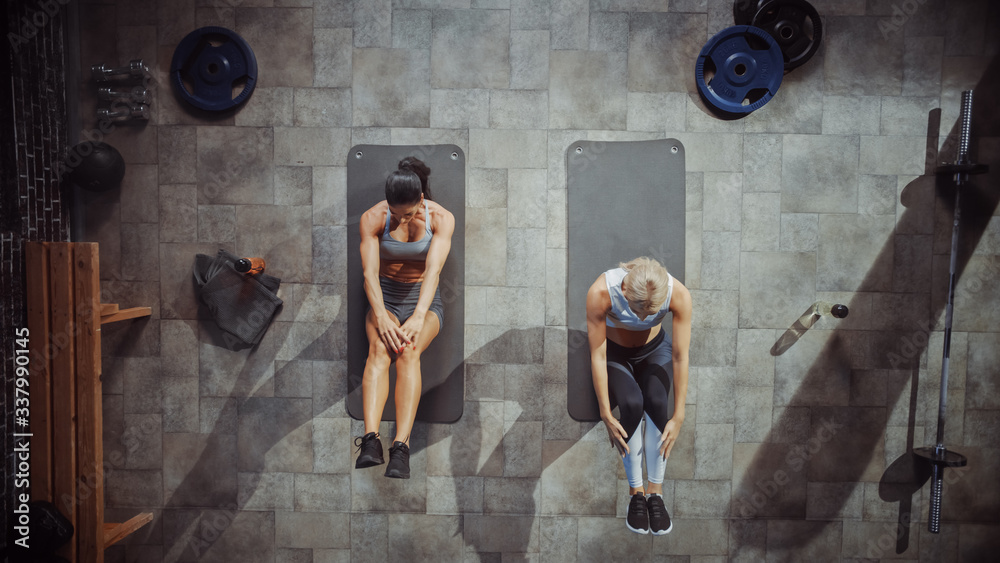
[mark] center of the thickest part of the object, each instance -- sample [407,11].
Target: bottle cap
[242,265]
[839,311]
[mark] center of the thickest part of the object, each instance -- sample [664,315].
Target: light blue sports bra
[621,315]
[396,251]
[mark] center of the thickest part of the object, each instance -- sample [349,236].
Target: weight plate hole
[213,68]
[754,95]
[740,69]
[238,86]
[786,32]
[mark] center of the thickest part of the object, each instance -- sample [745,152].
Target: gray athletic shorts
[401,298]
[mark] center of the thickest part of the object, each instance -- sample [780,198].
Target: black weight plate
[795,25]
[210,64]
[745,65]
[745,10]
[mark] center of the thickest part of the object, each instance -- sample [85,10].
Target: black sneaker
[399,461]
[637,519]
[659,520]
[371,451]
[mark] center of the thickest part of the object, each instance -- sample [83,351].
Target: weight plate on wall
[739,70]
[214,69]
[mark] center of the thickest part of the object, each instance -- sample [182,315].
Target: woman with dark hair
[405,240]
[634,363]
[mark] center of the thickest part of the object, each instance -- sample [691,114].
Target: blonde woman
[634,364]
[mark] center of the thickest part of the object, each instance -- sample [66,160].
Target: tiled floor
[247,456]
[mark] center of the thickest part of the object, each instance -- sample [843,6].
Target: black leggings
[640,380]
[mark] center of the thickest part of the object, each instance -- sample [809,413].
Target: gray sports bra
[396,251]
[621,315]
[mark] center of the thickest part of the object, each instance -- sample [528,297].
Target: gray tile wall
[820,195]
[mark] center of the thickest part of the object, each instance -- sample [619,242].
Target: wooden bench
[65,315]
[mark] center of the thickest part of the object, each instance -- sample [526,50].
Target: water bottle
[252,265]
[824,309]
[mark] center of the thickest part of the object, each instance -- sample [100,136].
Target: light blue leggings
[647,442]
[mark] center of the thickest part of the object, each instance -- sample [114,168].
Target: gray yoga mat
[625,199]
[442,364]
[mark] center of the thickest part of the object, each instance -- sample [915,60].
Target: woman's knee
[378,354]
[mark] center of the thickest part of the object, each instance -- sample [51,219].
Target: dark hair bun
[417,166]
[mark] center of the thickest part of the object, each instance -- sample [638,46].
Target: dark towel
[242,305]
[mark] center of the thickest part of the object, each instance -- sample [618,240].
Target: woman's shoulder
[598,294]
[439,217]
[375,215]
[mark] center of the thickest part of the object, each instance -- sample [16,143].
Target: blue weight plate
[208,66]
[746,68]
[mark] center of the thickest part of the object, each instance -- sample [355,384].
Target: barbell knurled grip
[934,516]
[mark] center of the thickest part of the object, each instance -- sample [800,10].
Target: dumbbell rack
[122,91]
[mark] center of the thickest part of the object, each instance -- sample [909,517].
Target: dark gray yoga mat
[624,199]
[442,364]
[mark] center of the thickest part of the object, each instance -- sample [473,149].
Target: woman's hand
[616,433]
[412,327]
[391,334]
[669,439]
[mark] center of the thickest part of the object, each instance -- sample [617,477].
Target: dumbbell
[137,95]
[123,112]
[135,70]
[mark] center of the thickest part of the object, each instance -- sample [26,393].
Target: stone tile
[762,156]
[142,438]
[834,501]
[473,48]
[861,540]
[486,266]
[771,481]
[753,413]
[869,263]
[826,186]
[972,312]
[577,478]
[587,90]
[140,194]
[403,101]
[851,115]
[488,533]
[722,201]
[693,250]
[411,29]
[332,14]
[661,48]
[556,225]
[697,537]
[215,536]
[217,223]
[922,60]
[178,213]
[369,536]
[177,151]
[293,185]
[569,24]
[815,371]
[329,390]
[714,457]
[267,107]
[199,470]
[982,355]
[517,307]
[507,148]
[134,488]
[180,404]
[279,234]
[903,155]
[246,177]
[714,309]
[142,386]
[609,31]
[701,499]
[322,107]
[275,434]
[529,14]
[906,115]
[754,362]
[558,541]
[529,59]
[140,251]
[654,111]
[329,191]
[372,23]
[266,491]
[510,495]
[799,232]
[288,34]
[525,260]
[322,492]
[792,289]
[518,109]
[598,540]
[329,250]
[332,451]
[859,60]
[812,541]
[761,222]
[459,109]
[470,447]
[851,444]
[720,260]
[454,495]
[311,146]
[747,540]
[332,48]
[711,152]
[312,530]
[522,449]
[797,108]
[877,195]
